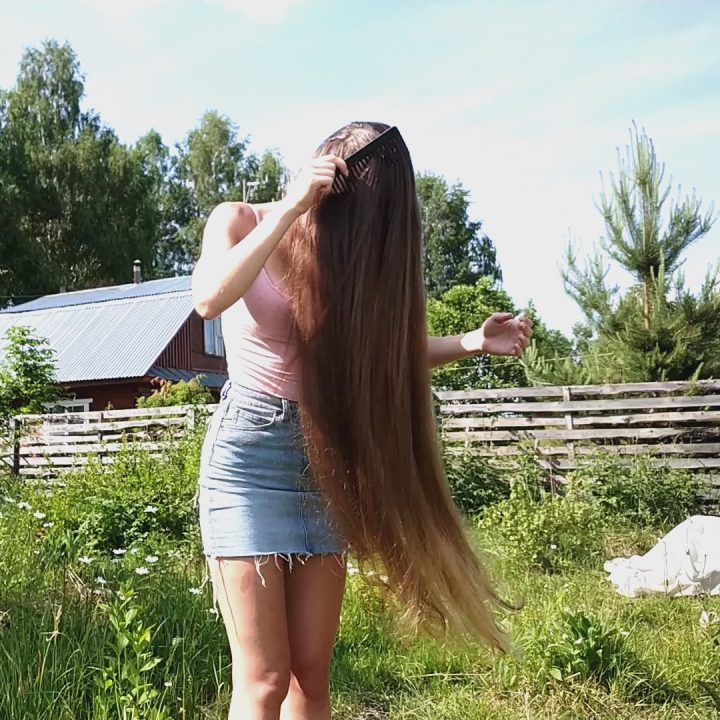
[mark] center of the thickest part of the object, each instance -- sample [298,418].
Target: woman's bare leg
[252,602]
[314,592]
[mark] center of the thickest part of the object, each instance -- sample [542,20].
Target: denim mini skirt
[256,495]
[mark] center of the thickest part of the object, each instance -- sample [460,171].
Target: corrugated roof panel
[95,295]
[106,340]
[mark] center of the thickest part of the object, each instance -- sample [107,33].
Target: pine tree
[657,329]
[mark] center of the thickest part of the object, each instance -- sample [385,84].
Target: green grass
[582,651]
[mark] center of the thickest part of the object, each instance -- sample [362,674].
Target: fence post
[15,425]
[567,397]
[100,439]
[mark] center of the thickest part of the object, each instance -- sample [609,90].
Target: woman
[324,441]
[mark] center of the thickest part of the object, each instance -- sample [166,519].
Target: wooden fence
[51,443]
[676,423]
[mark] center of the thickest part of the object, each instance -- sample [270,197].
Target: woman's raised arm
[233,252]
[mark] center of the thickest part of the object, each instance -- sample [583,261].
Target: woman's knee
[311,676]
[262,689]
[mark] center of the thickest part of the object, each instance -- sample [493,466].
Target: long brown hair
[358,302]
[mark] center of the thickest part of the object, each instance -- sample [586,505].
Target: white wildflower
[142,571]
[85,560]
[553,546]
[195,591]
[8,500]
[168,683]
[151,509]
[22,505]
[39,515]
[213,611]
[100,580]
[151,558]
[48,524]
[119,551]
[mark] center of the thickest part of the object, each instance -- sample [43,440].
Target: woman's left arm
[500,334]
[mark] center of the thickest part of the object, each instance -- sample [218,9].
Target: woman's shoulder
[236,218]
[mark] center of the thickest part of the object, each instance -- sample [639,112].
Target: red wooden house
[113,343]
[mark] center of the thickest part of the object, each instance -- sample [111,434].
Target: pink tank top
[259,340]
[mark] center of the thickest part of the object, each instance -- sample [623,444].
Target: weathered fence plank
[579,390]
[587,405]
[644,419]
[677,424]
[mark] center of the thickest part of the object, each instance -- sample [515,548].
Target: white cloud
[264,10]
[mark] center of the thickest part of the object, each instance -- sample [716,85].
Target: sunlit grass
[57,583]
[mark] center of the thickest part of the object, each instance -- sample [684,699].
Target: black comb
[389,146]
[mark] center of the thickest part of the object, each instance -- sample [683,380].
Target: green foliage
[77,207]
[190,392]
[86,635]
[27,373]
[638,493]
[475,485]
[132,499]
[456,253]
[466,307]
[459,310]
[657,330]
[124,686]
[80,208]
[211,165]
[586,649]
[542,530]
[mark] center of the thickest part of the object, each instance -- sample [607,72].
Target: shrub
[27,375]
[639,493]
[137,496]
[585,648]
[169,393]
[474,484]
[543,530]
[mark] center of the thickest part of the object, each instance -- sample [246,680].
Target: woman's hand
[501,334]
[314,180]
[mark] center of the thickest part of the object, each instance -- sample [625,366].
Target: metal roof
[95,295]
[104,338]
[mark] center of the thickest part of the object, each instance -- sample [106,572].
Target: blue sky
[524,102]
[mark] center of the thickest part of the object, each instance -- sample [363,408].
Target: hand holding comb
[387,146]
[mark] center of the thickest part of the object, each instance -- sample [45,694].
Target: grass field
[104,614]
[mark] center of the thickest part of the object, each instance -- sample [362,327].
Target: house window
[213,339]
[69,406]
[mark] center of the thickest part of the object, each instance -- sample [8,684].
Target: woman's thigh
[253,610]
[314,592]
